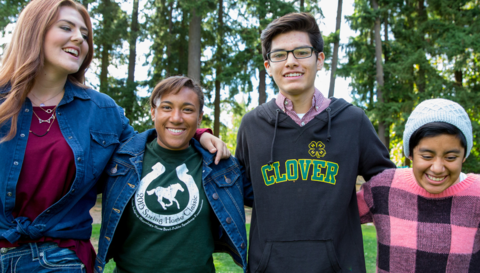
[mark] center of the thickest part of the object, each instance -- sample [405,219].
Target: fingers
[207,143]
[214,144]
[223,152]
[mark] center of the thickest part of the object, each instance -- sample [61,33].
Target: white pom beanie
[438,110]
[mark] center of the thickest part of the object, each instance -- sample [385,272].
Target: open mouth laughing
[436,179]
[71,51]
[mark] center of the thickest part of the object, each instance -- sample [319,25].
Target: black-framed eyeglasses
[298,53]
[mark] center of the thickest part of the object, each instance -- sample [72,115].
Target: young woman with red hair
[56,136]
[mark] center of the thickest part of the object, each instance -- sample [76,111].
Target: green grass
[224,263]
[370,247]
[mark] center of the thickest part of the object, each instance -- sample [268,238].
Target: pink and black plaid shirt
[319,103]
[422,232]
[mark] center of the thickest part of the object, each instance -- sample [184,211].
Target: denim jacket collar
[72,91]
[136,145]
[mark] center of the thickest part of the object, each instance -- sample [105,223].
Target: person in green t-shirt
[167,205]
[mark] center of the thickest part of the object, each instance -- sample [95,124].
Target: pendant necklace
[42,103]
[53,116]
[50,120]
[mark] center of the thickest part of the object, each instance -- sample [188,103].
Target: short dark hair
[434,129]
[173,85]
[292,22]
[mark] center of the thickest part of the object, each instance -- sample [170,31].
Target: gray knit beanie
[438,110]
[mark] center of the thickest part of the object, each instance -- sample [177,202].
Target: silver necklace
[42,103]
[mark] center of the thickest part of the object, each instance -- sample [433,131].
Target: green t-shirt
[167,225]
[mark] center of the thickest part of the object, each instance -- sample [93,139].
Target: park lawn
[370,247]
[224,263]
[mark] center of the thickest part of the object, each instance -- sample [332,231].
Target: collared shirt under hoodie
[319,103]
[305,216]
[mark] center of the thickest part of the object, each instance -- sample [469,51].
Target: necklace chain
[46,120]
[42,103]
[50,120]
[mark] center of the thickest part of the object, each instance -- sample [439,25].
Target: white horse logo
[167,193]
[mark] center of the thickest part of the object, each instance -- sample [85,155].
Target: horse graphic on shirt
[167,193]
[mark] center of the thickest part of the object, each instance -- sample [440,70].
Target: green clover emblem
[317,149]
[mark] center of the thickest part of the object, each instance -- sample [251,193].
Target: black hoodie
[305,215]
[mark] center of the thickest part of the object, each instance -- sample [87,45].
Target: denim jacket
[223,184]
[93,126]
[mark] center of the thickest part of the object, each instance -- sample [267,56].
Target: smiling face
[176,118]
[294,77]
[437,162]
[65,43]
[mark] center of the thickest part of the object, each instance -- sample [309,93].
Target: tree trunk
[422,17]
[262,74]
[386,75]
[133,43]
[106,47]
[382,128]
[105,57]
[218,69]
[458,77]
[194,46]
[302,5]
[336,45]
[169,47]
[132,61]
[182,58]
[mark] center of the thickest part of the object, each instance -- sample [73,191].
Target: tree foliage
[430,49]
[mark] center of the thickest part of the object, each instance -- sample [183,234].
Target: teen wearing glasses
[56,137]
[303,152]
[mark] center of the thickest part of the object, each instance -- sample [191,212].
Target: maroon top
[47,174]
[200,132]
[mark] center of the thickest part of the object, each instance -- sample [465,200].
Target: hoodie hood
[275,116]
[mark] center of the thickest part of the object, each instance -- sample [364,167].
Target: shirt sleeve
[241,153]
[127,129]
[200,132]
[363,208]
[372,198]
[374,156]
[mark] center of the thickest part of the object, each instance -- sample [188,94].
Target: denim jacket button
[9,193]
[242,245]
[15,163]
[228,180]
[215,196]
[22,135]
[229,220]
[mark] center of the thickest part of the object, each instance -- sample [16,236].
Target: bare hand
[214,144]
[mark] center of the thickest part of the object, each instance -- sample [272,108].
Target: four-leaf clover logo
[317,149]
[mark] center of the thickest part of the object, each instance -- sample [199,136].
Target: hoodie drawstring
[329,121]
[274,135]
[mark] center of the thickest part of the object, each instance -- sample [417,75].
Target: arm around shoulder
[374,156]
